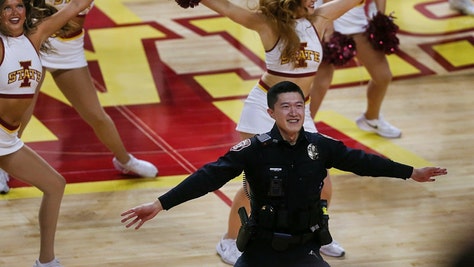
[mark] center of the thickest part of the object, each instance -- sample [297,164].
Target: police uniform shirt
[302,166]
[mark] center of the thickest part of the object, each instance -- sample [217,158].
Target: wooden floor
[380,222]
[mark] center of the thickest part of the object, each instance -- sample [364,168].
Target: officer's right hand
[426,174]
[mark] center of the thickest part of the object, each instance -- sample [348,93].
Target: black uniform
[285,182]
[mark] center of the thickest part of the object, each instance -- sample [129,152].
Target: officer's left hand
[426,174]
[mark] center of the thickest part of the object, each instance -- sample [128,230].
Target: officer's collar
[276,135]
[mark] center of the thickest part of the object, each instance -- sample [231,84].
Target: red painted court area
[179,134]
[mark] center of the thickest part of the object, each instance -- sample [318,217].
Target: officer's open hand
[140,214]
[426,174]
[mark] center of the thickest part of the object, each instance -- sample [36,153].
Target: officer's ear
[271,112]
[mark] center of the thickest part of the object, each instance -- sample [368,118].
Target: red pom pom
[382,33]
[339,50]
[187,3]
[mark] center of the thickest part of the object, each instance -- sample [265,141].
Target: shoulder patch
[243,144]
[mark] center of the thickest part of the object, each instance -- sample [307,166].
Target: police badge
[313,152]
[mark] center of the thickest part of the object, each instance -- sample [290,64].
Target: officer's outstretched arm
[140,214]
[426,174]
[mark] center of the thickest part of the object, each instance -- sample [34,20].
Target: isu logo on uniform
[25,74]
[303,56]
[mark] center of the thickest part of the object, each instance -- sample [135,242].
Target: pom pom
[339,50]
[188,3]
[382,33]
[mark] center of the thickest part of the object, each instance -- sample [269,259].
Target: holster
[246,230]
[322,230]
[323,236]
[243,238]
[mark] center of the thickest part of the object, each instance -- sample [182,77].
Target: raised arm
[53,23]
[241,15]
[335,8]
[331,10]
[380,4]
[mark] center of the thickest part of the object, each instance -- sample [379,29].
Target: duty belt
[283,241]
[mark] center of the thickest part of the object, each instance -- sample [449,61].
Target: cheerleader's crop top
[20,68]
[309,58]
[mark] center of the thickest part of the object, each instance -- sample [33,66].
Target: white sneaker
[53,263]
[227,249]
[136,166]
[379,126]
[464,6]
[4,178]
[332,249]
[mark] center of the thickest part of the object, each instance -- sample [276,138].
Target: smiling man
[287,107]
[285,169]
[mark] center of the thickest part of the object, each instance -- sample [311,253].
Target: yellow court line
[100,186]
[103,186]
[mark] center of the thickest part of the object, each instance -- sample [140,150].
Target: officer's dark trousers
[259,253]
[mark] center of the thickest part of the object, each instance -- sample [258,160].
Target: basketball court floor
[174,81]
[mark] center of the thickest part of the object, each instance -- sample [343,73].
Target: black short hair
[279,88]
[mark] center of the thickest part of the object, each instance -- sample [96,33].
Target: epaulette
[264,139]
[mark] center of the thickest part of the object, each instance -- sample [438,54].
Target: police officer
[284,169]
